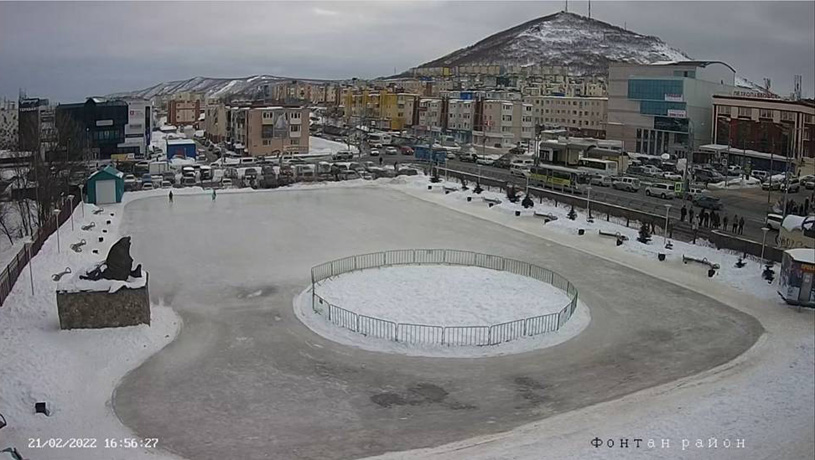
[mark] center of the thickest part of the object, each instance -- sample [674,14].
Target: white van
[527,162]
[629,184]
[247,160]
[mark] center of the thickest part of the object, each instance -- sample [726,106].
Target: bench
[546,216]
[704,261]
[491,201]
[617,235]
[447,189]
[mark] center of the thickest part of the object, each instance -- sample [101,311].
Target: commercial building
[139,126]
[665,107]
[772,126]
[110,127]
[36,128]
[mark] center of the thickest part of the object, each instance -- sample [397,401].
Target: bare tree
[6,225]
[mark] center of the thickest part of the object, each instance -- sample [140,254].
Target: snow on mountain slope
[583,44]
[211,87]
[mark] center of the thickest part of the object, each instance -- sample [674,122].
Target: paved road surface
[245,379]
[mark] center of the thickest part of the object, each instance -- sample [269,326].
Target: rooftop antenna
[567,6]
[589,9]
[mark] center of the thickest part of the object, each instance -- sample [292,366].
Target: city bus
[598,167]
[558,177]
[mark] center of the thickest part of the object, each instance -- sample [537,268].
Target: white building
[139,125]
[580,116]
[460,119]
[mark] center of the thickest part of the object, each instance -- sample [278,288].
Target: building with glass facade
[665,107]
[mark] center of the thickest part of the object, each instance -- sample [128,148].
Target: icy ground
[765,396]
[460,296]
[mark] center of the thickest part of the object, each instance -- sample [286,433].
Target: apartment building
[268,130]
[429,117]
[665,108]
[461,119]
[383,109]
[504,123]
[8,123]
[36,126]
[216,122]
[183,112]
[580,116]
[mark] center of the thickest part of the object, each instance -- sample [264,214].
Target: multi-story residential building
[460,119]
[429,121]
[268,130]
[216,122]
[665,108]
[772,126]
[36,128]
[8,124]
[504,123]
[183,112]
[580,116]
[383,109]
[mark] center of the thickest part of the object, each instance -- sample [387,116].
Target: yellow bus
[559,177]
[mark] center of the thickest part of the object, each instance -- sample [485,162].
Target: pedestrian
[380,161]
[724,220]
[714,218]
[213,194]
[690,215]
[171,196]
[741,226]
[735,223]
[396,166]
[682,213]
[701,217]
[806,206]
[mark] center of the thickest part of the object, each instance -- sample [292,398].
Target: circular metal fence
[428,334]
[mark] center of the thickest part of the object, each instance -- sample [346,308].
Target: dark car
[708,175]
[467,157]
[708,202]
[503,162]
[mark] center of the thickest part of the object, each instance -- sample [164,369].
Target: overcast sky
[67,51]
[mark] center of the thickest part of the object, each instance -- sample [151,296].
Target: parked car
[146,178]
[694,192]
[342,155]
[504,161]
[770,184]
[486,160]
[671,176]
[708,175]
[808,182]
[374,153]
[468,157]
[166,184]
[664,191]
[759,174]
[708,202]
[451,156]
[734,171]
[635,169]
[391,151]
[130,181]
[147,186]
[651,170]
[629,184]
[187,181]
[602,181]
[773,221]
[226,182]
[519,170]
[168,176]
[409,151]
[792,185]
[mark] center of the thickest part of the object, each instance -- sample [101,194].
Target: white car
[486,161]
[391,151]
[130,180]
[374,153]
[629,184]
[664,191]
[671,176]
[147,186]
[519,170]
[226,182]
[773,221]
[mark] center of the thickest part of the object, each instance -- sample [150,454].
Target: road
[245,379]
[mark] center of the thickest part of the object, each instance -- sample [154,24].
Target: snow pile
[461,296]
[737,183]
[74,371]
[320,146]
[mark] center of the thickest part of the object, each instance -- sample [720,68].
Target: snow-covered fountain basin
[438,298]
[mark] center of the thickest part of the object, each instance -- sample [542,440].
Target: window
[763,113]
[295,128]
[654,89]
[745,112]
[660,107]
[787,116]
[724,110]
[295,142]
[506,118]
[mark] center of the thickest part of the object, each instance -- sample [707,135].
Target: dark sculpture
[117,265]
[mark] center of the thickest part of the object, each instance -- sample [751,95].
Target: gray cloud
[71,50]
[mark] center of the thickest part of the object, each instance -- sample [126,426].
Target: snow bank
[320,146]
[74,371]
[737,183]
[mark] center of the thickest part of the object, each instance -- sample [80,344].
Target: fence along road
[427,334]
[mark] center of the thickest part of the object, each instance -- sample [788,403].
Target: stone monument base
[100,309]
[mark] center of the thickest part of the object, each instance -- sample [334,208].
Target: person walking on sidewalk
[724,221]
[690,216]
[682,213]
[741,225]
[735,223]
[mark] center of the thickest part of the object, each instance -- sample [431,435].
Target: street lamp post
[55,212]
[665,231]
[82,198]
[71,200]
[764,230]
[588,201]
[30,263]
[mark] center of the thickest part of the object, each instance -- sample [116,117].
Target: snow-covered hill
[212,87]
[584,45]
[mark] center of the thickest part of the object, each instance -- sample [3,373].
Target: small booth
[797,281]
[105,186]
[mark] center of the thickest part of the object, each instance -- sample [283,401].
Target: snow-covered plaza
[228,370]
